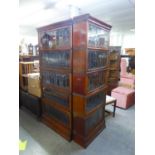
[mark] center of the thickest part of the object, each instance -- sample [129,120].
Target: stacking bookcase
[90,51]
[55,48]
[114,68]
[73,60]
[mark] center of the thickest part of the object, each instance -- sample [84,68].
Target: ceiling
[35,13]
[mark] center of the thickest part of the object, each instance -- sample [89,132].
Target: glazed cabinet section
[98,37]
[88,82]
[85,60]
[56,37]
[57,59]
[89,103]
[87,128]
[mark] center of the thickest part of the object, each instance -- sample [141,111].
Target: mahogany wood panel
[80,34]
[79,61]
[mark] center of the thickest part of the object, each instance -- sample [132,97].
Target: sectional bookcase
[73,66]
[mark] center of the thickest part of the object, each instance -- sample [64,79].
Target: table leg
[114,109]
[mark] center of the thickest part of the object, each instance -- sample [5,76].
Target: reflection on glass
[56,38]
[56,59]
[97,37]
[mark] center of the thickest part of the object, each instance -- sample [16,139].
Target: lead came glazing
[51,111]
[97,59]
[95,100]
[52,95]
[95,80]
[56,59]
[60,80]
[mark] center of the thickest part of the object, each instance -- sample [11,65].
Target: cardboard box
[34,84]
[34,80]
[34,91]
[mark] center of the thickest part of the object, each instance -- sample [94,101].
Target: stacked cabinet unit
[73,56]
[90,52]
[114,67]
[55,48]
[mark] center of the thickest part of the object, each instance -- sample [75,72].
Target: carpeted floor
[118,138]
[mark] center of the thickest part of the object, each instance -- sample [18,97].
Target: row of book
[57,79]
[56,59]
[97,59]
[96,80]
[95,100]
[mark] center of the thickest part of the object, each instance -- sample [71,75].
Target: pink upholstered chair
[125,93]
[126,79]
[123,66]
[125,97]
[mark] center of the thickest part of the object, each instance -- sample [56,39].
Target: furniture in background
[126,79]
[34,87]
[30,102]
[113,68]
[130,51]
[125,97]
[73,56]
[125,93]
[131,63]
[29,85]
[111,100]
[28,58]
[29,51]
[24,69]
